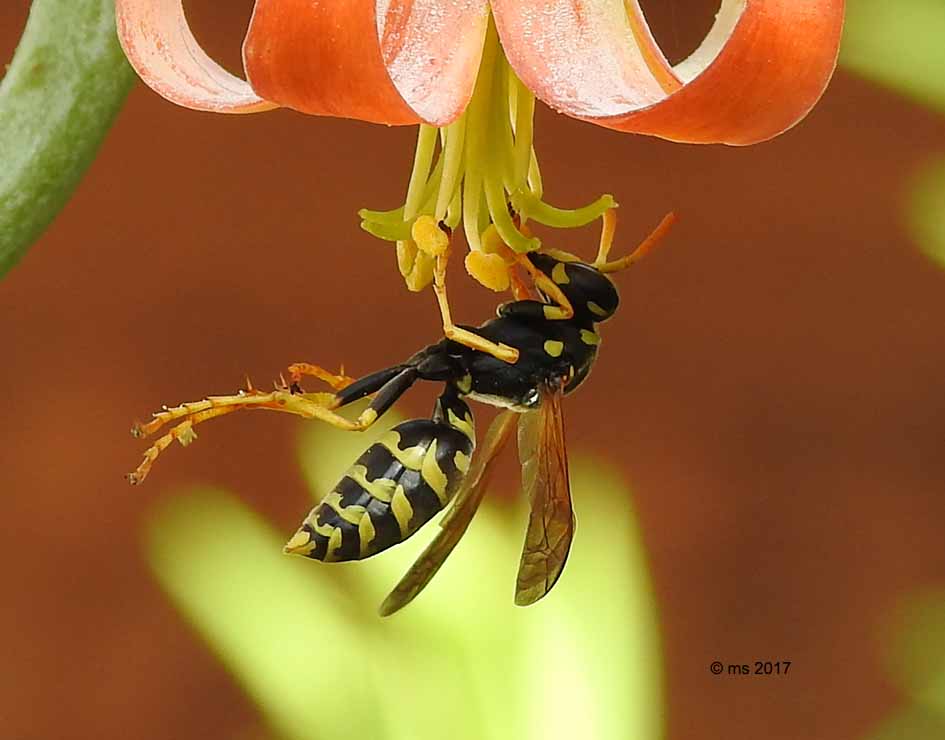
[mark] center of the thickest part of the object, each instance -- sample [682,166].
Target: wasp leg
[643,248]
[393,388]
[518,287]
[560,307]
[183,433]
[337,382]
[457,334]
[389,384]
[309,406]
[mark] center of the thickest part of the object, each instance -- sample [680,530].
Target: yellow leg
[560,307]
[183,433]
[463,336]
[337,382]
[307,405]
[518,287]
[643,249]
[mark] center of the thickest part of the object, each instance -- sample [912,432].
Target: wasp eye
[532,398]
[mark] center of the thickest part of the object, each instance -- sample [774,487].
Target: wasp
[536,351]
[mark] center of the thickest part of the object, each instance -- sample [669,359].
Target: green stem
[455,212]
[432,189]
[66,83]
[534,176]
[499,210]
[524,129]
[501,161]
[453,158]
[423,158]
[477,131]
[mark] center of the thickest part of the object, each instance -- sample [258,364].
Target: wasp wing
[544,460]
[457,519]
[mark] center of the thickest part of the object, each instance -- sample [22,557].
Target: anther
[490,270]
[429,237]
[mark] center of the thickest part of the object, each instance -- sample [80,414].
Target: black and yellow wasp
[423,465]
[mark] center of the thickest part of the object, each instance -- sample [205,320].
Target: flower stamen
[472,172]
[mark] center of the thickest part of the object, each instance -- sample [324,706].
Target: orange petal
[322,58]
[387,61]
[763,66]
[161,48]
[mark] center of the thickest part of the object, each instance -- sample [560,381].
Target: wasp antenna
[654,239]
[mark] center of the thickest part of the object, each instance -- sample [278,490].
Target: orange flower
[761,68]
[759,71]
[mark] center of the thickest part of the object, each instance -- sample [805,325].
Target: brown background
[777,375]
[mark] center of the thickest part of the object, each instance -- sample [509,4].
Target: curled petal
[653,56]
[160,46]
[322,58]
[432,51]
[762,67]
[388,61]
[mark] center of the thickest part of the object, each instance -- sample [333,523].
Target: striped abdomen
[396,486]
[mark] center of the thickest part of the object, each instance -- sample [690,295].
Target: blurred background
[759,467]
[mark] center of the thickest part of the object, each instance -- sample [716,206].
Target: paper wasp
[524,361]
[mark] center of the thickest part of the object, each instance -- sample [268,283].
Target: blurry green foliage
[900,44]
[914,723]
[916,659]
[64,86]
[917,655]
[926,207]
[462,661]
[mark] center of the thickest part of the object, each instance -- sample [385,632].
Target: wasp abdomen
[394,488]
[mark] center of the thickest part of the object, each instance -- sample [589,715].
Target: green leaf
[925,215]
[898,44]
[305,642]
[916,653]
[280,627]
[64,87]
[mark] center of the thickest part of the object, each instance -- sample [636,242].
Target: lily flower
[469,71]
